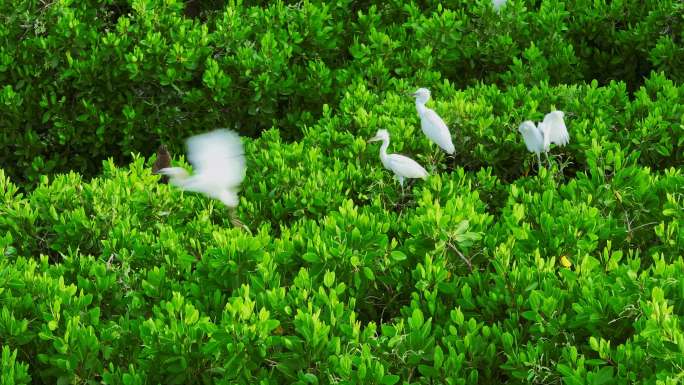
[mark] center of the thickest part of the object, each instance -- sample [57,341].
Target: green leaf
[390,379]
[565,370]
[594,362]
[416,320]
[427,371]
[530,315]
[604,376]
[310,378]
[368,273]
[311,257]
[329,278]
[438,357]
[397,255]
[594,343]
[462,226]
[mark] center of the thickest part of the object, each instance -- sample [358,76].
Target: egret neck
[383,152]
[420,107]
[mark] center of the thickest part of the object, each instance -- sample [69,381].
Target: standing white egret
[538,138]
[497,4]
[219,162]
[432,125]
[402,166]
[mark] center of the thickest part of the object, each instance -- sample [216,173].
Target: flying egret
[163,161]
[432,125]
[538,138]
[402,166]
[497,4]
[219,162]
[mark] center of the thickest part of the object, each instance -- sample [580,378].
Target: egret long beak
[373,139]
[414,94]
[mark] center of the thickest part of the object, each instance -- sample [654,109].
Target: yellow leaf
[565,261]
[618,196]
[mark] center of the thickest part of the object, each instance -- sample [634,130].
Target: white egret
[432,125]
[219,162]
[497,4]
[402,166]
[538,138]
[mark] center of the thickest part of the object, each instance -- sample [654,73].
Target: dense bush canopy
[488,272]
[84,80]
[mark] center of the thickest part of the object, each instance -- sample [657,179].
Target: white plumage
[538,138]
[219,163]
[497,4]
[554,130]
[432,125]
[402,166]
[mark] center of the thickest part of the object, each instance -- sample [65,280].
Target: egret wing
[554,129]
[406,167]
[534,139]
[435,129]
[218,158]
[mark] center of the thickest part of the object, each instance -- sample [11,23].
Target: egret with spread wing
[402,166]
[538,138]
[218,160]
[432,125]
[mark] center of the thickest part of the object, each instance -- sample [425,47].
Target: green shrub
[489,271]
[84,81]
[13,372]
[462,282]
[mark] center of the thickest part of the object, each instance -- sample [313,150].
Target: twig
[109,261]
[466,260]
[644,225]
[236,222]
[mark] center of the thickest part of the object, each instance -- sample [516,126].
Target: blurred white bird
[538,138]
[497,4]
[219,163]
[432,125]
[402,166]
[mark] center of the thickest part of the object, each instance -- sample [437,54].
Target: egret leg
[401,183]
[547,159]
[539,161]
[235,221]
